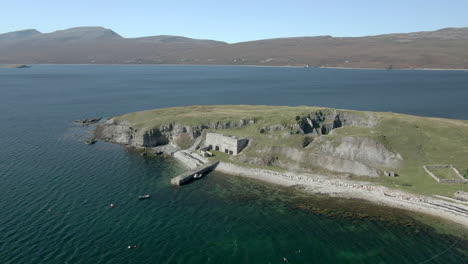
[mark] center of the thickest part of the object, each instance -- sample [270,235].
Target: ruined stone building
[227,144]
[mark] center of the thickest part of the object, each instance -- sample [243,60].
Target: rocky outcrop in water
[87,122]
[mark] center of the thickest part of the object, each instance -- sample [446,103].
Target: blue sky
[236,20]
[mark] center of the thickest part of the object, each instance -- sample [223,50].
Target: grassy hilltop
[280,140]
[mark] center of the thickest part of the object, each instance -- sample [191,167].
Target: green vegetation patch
[200,114]
[422,141]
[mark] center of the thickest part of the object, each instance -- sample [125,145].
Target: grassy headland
[276,142]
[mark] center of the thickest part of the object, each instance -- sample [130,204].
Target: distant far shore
[441,49]
[14,66]
[244,65]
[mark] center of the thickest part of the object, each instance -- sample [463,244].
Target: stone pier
[188,176]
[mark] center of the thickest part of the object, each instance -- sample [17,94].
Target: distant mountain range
[445,48]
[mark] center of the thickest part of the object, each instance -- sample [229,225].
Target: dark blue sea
[55,190]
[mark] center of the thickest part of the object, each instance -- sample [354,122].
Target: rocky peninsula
[374,156]
[15,66]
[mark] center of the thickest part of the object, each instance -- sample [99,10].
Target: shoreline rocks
[87,122]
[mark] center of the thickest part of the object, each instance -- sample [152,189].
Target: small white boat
[146,196]
[197,176]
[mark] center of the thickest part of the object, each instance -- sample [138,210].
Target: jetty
[190,175]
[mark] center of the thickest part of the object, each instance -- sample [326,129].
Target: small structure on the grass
[462,196]
[457,177]
[228,144]
[390,174]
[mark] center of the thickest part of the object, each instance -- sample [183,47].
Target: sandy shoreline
[319,184]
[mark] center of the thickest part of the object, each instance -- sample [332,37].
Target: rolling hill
[444,49]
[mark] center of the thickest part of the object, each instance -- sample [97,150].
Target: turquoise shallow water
[55,191]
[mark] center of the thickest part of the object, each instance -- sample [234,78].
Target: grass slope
[445,173]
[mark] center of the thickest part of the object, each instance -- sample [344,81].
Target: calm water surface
[55,191]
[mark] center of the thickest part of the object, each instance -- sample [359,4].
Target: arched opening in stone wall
[217,148]
[226,151]
[230,152]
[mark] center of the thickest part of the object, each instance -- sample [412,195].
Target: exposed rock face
[294,158]
[323,122]
[343,154]
[363,149]
[179,135]
[336,164]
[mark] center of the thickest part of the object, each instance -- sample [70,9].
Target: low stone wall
[428,168]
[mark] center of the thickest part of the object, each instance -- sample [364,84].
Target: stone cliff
[179,135]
